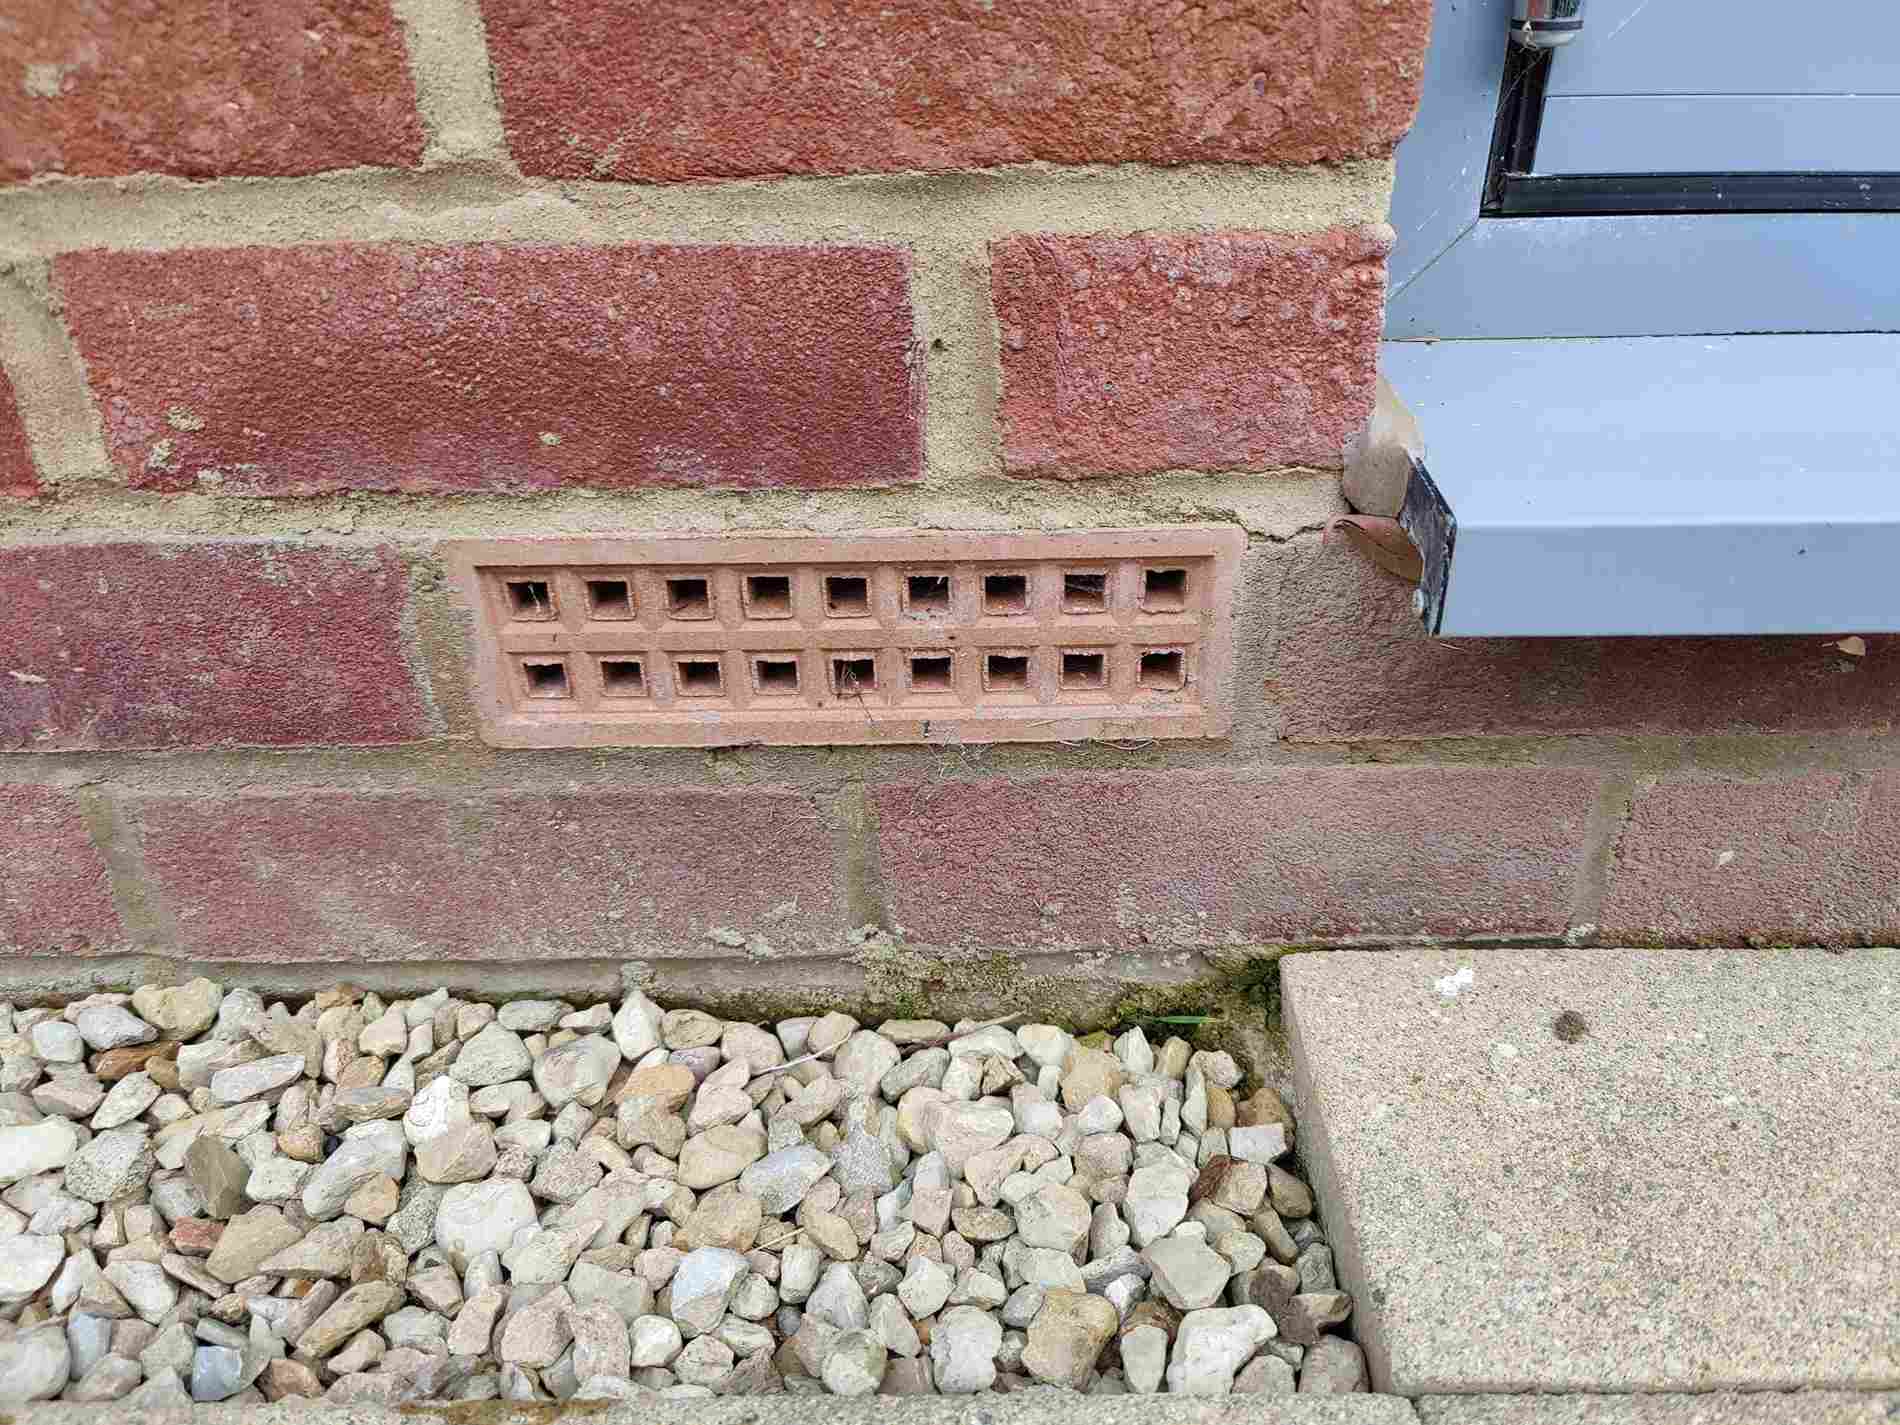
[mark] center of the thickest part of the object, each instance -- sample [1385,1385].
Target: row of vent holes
[849,595]
[1160,670]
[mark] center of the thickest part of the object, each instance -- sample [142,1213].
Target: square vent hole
[847,595]
[931,673]
[623,678]
[1164,591]
[865,638]
[853,674]
[529,599]
[1085,670]
[927,595]
[1006,594]
[768,596]
[1006,672]
[775,677]
[1163,670]
[547,677]
[688,597]
[1084,593]
[609,599]
[698,677]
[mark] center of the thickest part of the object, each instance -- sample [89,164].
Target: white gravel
[211,1197]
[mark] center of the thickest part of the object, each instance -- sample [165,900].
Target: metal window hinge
[1546,24]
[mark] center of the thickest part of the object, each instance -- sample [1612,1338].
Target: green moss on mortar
[1232,994]
[1232,997]
[1236,1004]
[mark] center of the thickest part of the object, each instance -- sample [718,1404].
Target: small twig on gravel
[936,1043]
[943,1039]
[802,1059]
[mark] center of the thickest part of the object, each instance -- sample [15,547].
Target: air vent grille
[867,638]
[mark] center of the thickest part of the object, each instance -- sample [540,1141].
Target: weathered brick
[687,89]
[1802,860]
[199,644]
[1209,858]
[203,87]
[54,897]
[1237,351]
[17,476]
[1350,660]
[516,876]
[490,367]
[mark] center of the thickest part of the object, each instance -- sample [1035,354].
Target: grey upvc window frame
[1457,273]
[1655,424]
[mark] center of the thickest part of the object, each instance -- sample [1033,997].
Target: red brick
[519,876]
[204,87]
[493,367]
[201,644]
[18,479]
[688,89]
[54,897]
[1803,860]
[1208,858]
[1350,660]
[1235,351]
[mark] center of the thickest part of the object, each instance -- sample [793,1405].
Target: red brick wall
[1110,349]
[17,476]
[384,366]
[204,88]
[383,275]
[675,90]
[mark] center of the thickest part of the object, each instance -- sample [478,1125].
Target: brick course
[54,896]
[136,645]
[203,88]
[234,385]
[18,479]
[1809,859]
[1212,858]
[1227,352]
[497,367]
[336,875]
[1350,660]
[669,90]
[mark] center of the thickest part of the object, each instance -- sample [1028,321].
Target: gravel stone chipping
[208,1197]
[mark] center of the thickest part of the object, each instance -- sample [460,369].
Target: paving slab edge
[1810,1366]
[1314,1152]
[1817,1407]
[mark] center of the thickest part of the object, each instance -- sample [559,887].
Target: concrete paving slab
[1037,1407]
[1608,1170]
[1771,1408]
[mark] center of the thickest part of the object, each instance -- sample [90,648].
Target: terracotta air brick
[1235,351]
[54,897]
[17,476]
[1349,660]
[1211,858]
[302,370]
[204,644]
[203,88]
[877,638]
[667,90]
[334,875]
[1801,860]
